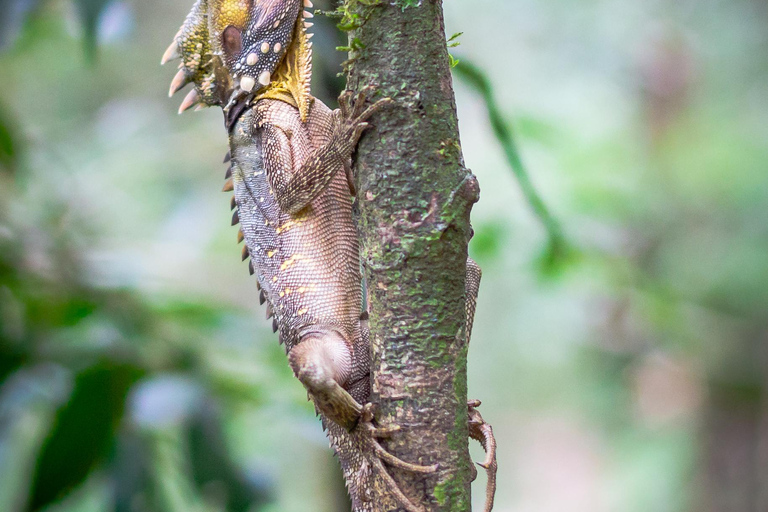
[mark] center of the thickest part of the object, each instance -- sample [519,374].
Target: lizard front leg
[297,184]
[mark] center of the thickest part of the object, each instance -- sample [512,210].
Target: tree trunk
[735,457]
[414,200]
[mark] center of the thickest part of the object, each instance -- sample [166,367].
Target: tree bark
[414,199]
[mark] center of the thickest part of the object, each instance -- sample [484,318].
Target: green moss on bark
[414,196]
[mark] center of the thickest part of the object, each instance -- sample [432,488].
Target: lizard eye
[232,41]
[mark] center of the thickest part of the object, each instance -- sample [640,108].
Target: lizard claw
[345,103]
[355,114]
[352,123]
[481,431]
[373,432]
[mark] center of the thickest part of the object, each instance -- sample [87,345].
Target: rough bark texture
[414,199]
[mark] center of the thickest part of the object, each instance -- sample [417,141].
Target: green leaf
[84,432]
[89,12]
[453,41]
[212,463]
[10,360]
[8,143]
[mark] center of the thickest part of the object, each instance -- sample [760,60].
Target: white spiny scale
[171,53]
[308,4]
[189,101]
[307,14]
[308,24]
[179,81]
[265,78]
[247,83]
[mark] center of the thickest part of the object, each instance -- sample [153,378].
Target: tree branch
[414,196]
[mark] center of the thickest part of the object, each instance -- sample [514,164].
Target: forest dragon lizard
[293,202]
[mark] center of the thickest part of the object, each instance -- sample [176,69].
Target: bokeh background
[621,340]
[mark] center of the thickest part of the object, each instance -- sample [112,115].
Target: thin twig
[474,77]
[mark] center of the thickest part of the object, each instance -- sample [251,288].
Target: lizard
[290,172]
[287,151]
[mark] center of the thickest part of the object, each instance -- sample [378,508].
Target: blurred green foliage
[557,248]
[621,148]
[105,342]
[90,11]
[7,143]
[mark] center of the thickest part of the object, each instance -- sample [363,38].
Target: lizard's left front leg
[297,184]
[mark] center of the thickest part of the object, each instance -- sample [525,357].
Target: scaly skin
[479,430]
[290,173]
[291,177]
[301,238]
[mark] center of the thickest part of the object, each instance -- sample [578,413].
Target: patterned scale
[255,37]
[295,211]
[311,275]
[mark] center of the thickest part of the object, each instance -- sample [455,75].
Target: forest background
[621,341]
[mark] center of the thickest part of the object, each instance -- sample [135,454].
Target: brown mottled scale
[307,262]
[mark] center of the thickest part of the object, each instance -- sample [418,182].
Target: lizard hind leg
[322,361]
[482,432]
[371,433]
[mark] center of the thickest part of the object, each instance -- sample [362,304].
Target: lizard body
[290,173]
[290,157]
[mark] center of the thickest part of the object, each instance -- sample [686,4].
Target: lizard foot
[481,431]
[353,122]
[373,433]
[192,45]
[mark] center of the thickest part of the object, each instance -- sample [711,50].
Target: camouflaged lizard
[287,152]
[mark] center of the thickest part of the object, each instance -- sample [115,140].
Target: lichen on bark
[414,200]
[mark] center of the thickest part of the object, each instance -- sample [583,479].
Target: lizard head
[235,51]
